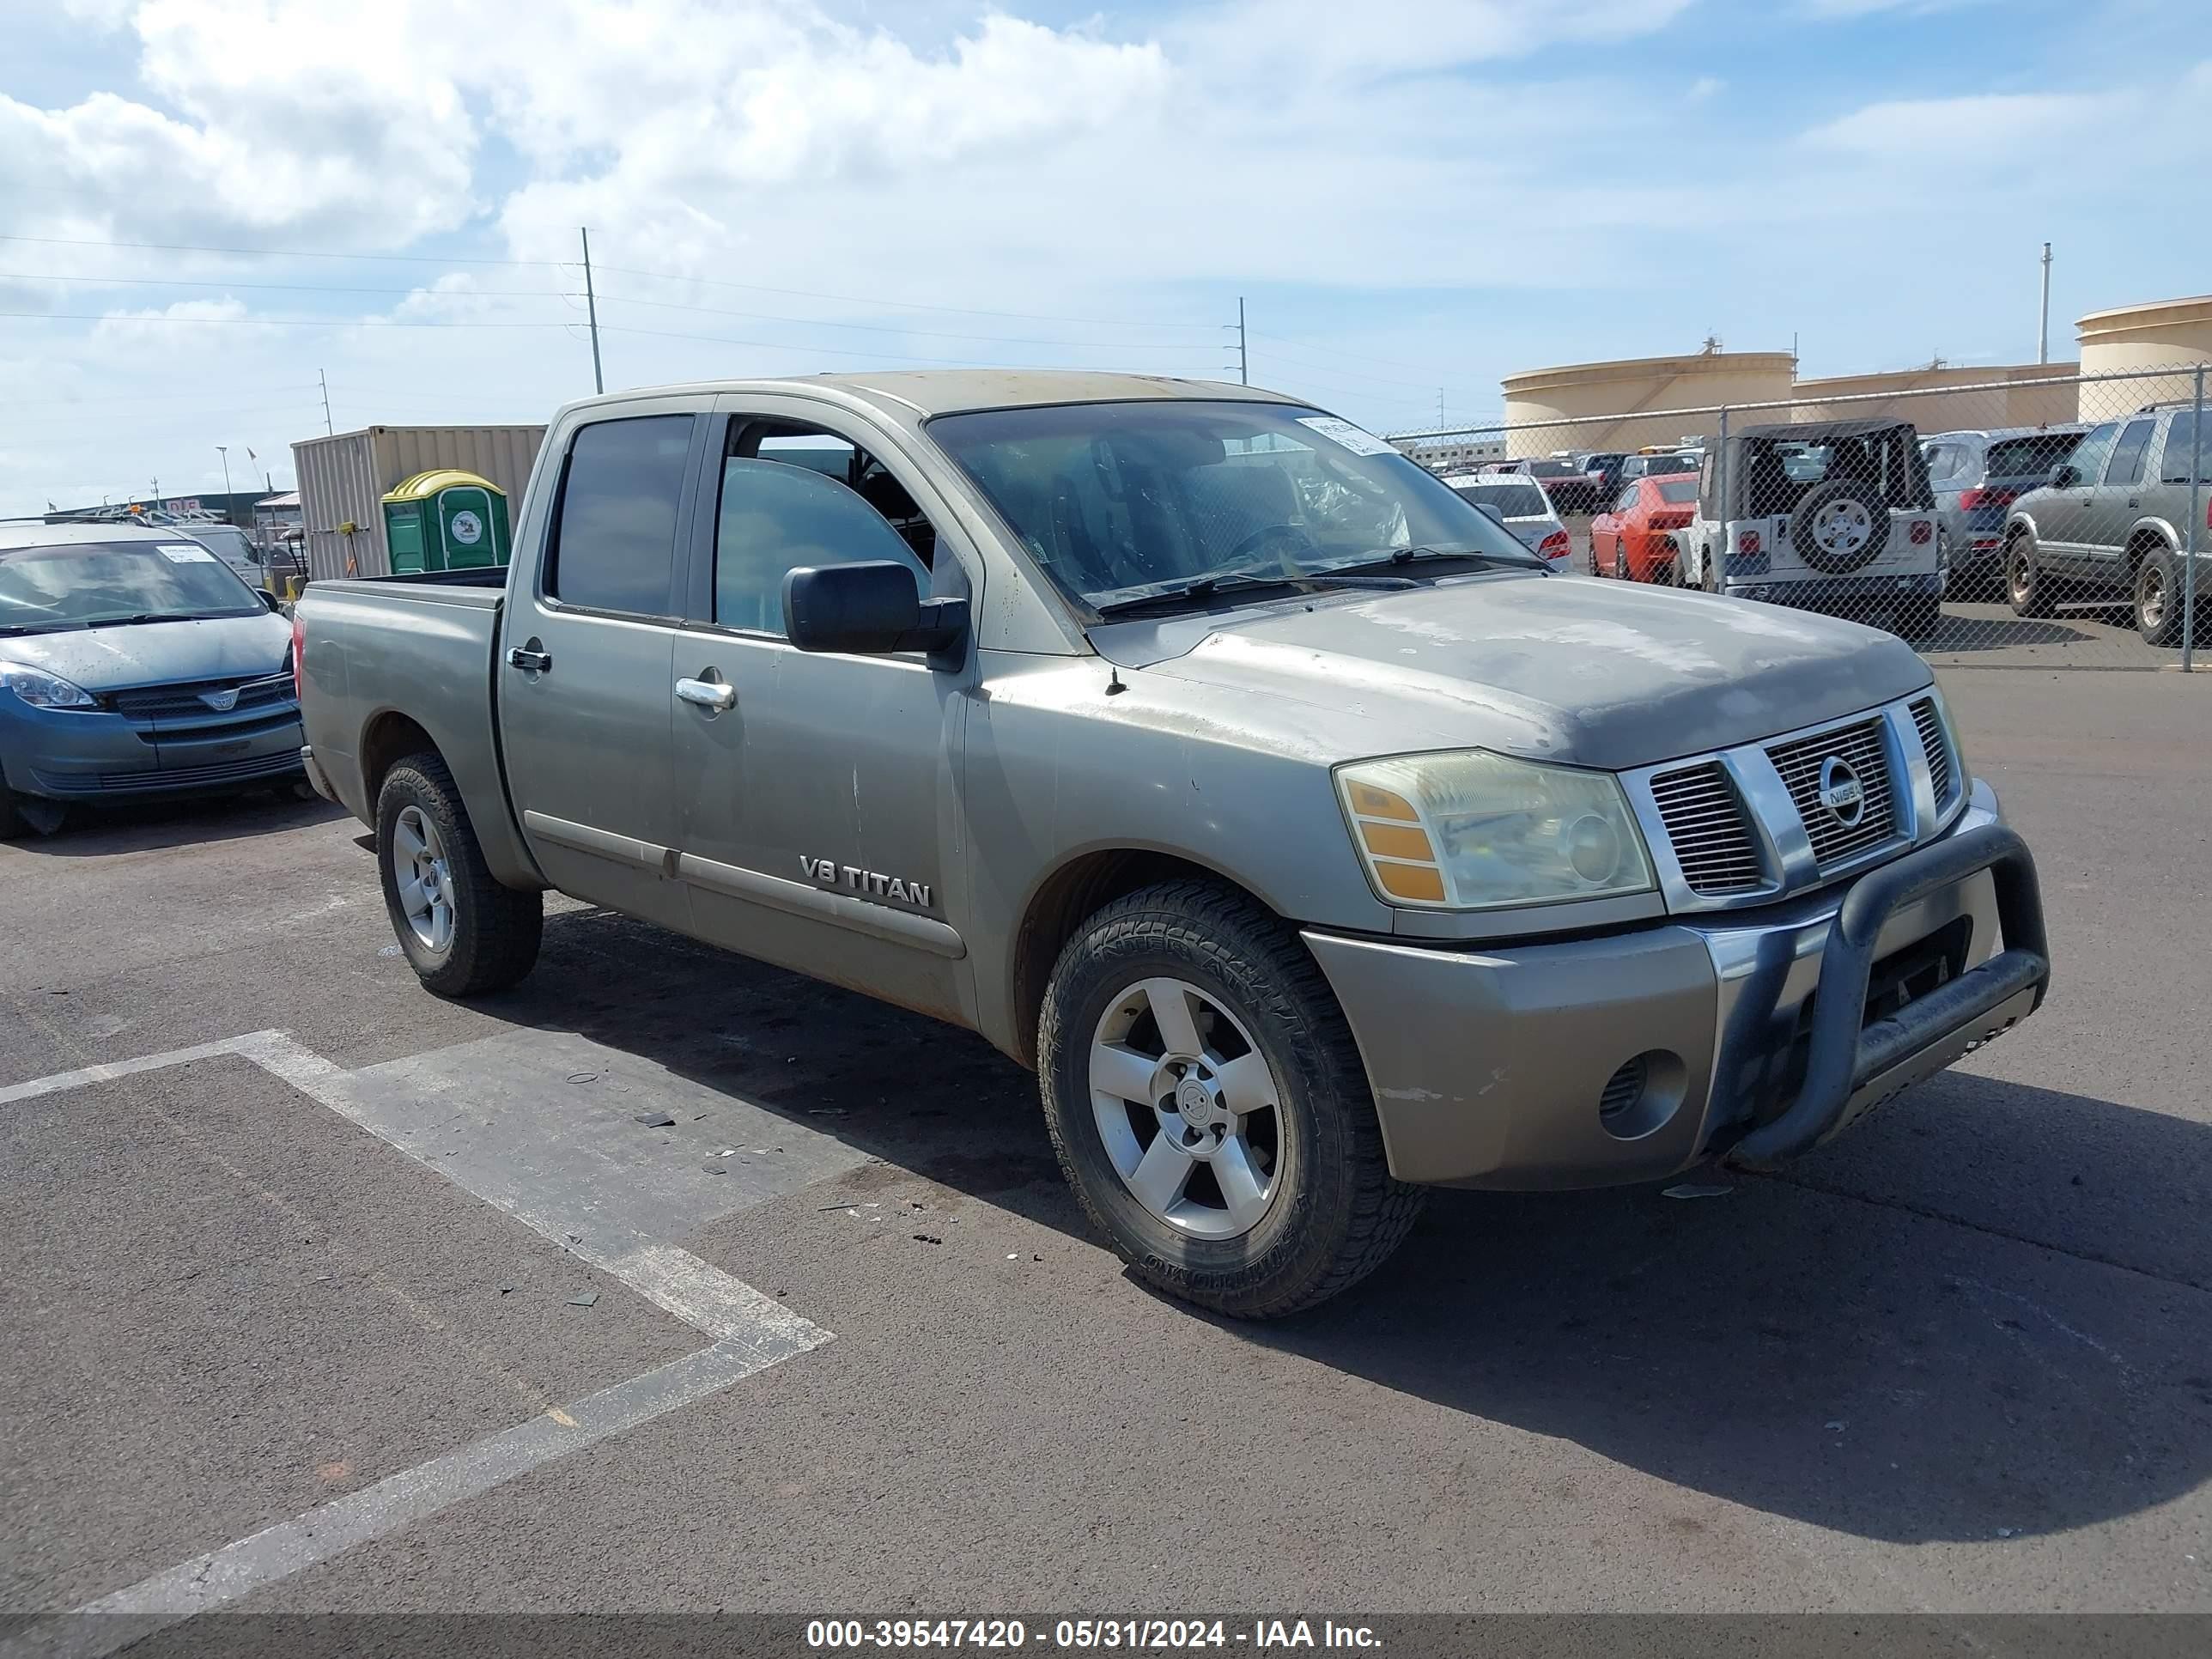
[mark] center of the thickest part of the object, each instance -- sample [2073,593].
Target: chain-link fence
[2060,522]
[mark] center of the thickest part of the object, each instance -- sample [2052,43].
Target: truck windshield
[101,584]
[1115,501]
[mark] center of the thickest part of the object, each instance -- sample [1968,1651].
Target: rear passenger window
[614,543]
[2128,455]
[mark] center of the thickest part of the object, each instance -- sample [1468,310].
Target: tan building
[1986,397]
[2159,334]
[1637,392]
[1450,454]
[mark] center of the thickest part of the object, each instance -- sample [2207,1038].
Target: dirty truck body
[1311,840]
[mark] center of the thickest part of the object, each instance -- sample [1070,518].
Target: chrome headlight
[1469,831]
[43,691]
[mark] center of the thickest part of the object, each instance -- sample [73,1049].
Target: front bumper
[1493,1068]
[75,755]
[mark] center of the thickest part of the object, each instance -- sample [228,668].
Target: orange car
[1633,538]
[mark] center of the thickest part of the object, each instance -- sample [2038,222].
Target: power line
[899,305]
[885,328]
[289,288]
[258,322]
[279,253]
[833,351]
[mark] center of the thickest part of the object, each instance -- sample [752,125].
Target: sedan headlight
[1472,830]
[43,691]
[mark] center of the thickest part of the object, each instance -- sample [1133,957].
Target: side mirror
[269,601]
[2065,477]
[867,609]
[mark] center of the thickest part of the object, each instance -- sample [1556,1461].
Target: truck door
[585,667]
[817,818]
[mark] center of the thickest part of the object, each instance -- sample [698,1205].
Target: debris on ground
[508,1289]
[583,1077]
[713,1168]
[1834,1426]
[654,1120]
[584,1299]
[927,1238]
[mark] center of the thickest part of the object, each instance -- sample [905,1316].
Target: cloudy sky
[205,204]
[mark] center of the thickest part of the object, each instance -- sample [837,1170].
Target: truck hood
[157,653]
[1596,673]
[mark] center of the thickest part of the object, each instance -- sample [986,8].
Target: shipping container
[344,479]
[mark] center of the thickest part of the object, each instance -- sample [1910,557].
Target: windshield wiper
[1395,558]
[1206,587]
[162,617]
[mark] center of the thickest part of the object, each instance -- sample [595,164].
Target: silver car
[133,662]
[1976,476]
[1524,509]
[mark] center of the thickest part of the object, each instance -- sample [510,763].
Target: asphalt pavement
[325,1294]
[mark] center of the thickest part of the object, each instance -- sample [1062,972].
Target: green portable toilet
[446,519]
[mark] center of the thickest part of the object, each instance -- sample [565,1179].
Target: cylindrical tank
[1637,392]
[1997,403]
[2159,334]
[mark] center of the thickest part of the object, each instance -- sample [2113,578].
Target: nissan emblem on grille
[1841,792]
[222,701]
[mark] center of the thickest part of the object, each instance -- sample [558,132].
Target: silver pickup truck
[1312,840]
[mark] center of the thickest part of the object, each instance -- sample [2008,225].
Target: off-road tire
[496,929]
[1824,495]
[1341,1214]
[2026,590]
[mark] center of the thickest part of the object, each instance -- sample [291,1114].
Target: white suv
[1832,515]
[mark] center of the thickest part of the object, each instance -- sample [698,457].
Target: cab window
[791,498]
[613,546]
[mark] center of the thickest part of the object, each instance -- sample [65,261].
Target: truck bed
[382,654]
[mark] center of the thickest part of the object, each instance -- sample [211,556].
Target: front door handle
[712,694]
[530,659]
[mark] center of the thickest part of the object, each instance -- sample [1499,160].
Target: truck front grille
[1930,724]
[1709,830]
[1834,836]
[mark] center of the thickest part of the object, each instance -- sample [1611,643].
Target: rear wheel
[461,931]
[2025,588]
[1209,1106]
[2161,615]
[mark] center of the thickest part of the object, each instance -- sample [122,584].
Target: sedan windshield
[98,583]
[1117,501]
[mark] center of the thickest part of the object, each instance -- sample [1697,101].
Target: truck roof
[62,532]
[925,391]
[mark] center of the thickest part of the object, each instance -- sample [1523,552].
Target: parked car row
[1583,481]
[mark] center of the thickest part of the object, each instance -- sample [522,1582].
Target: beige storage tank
[344,479]
[1997,403]
[1638,390]
[2159,334]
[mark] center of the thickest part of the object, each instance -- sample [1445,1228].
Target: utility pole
[1244,357]
[2043,332]
[1440,406]
[591,310]
[223,450]
[324,377]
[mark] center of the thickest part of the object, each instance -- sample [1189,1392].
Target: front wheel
[461,931]
[1209,1106]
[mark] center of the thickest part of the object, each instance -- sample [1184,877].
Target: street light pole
[223,450]
[2042,329]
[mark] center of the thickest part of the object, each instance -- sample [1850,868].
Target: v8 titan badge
[467,528]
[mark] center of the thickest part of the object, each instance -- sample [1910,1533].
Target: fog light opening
[1644,1092]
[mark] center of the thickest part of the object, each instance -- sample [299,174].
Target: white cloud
[1704,87]
[1993,124]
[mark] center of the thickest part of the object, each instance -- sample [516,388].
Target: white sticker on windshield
[1343,431]
[185,553]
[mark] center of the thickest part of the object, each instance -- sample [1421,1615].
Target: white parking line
[749,1332]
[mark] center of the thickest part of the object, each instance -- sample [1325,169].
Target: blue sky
[1412,199]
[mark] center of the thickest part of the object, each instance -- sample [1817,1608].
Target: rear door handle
[530,660]
[712,694]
